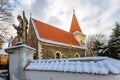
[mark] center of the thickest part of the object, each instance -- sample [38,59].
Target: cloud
[27,3]
[94,16]
[101,18]
[55,20]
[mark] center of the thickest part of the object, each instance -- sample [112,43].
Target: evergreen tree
[98,47]
[114,43]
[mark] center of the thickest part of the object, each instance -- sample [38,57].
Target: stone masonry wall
[47,53]
[33,42]
[32,36]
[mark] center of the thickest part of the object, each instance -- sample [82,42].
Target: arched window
[77,55]
[58,55]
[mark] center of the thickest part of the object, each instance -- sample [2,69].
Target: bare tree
[94,44]
[5,11]
[6,19]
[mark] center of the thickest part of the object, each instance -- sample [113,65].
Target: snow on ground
[1,71]
[1,78]
[93,65]
[4,74]
[2,52]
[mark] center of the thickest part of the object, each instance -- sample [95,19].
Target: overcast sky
[94,16]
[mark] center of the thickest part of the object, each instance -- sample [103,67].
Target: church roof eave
[59,43]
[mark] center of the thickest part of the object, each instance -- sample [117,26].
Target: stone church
[54,43]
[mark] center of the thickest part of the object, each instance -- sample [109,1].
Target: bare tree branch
[6,19]
[91,43]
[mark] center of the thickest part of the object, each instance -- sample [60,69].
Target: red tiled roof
[52,33]
[15,40]
[74,25]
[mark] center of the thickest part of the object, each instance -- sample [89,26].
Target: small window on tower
[81,42]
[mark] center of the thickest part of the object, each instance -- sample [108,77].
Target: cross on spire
[73,11]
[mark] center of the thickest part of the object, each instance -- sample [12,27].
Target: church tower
[76,30]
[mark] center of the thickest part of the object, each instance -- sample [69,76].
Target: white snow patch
[22,45]
[1,78]
[2,52]
[93,65]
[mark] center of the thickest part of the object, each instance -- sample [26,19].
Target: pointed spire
[74,24]
[30,14]
[73,11]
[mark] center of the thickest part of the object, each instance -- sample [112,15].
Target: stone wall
[48,54]
[33,41]
[32,36]
[42,75]
[19,57]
